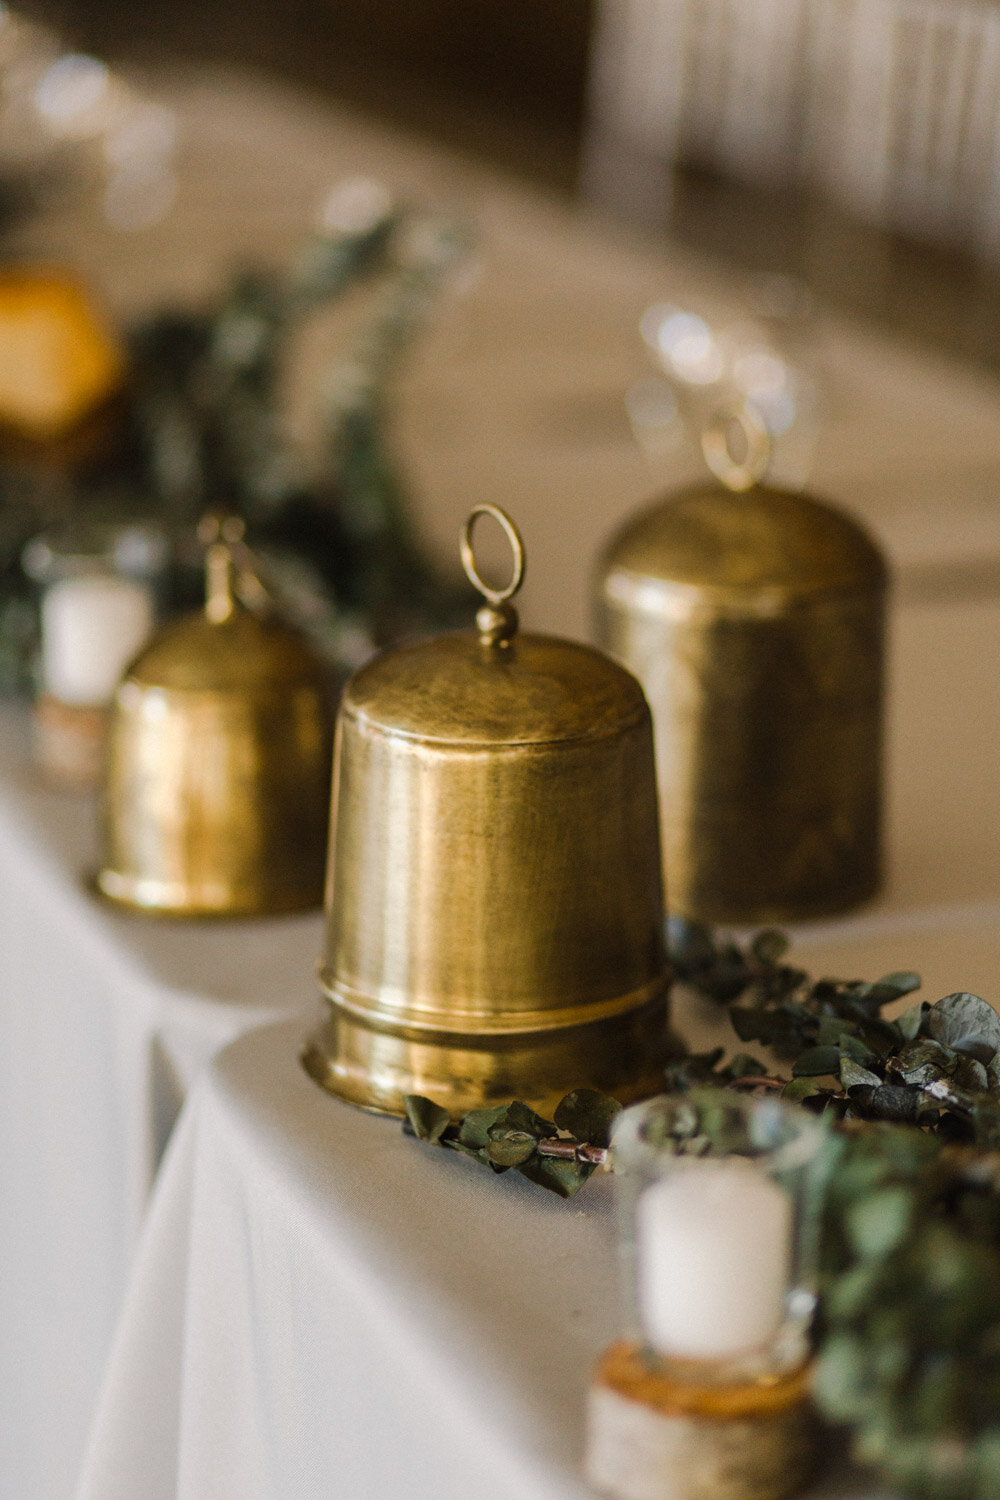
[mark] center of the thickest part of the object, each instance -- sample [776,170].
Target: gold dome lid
[739,541]
[536,690]
[239,653]
[498,687]
[760,541]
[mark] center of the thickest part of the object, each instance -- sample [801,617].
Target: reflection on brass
[217,785]
[494,905]
[754,622]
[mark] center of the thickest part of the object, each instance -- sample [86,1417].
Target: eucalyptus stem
[559,1150]
[595,1156]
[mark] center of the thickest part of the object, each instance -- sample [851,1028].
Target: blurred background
[848,142]
[354,266]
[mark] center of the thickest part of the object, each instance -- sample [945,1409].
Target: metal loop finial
[495,596]
[497,620]
[231,570]
[217,534]
[737,475]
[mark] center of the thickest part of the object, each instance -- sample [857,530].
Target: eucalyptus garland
[559,1154]
[936,1066]
[908,1331]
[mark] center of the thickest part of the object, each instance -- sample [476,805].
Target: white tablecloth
[105,1020]
[322,1307]
[515,396]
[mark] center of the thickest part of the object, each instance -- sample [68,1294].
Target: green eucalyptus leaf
[849,1295]
[852,1075]
[969,1073]
[477,1153]
[923,1061]
[817,1061]
[800,1088]
[888,1102]
[588,1115]
[853,1047]
[521,1117]
[879,1222]
[910,1021]
[964,1020]
[509,1148]
[840,1381]
[752,1024]
[832,1029]
[769,946]
[685,1073]
[475,1127]
[775,1027]
[426,1119]
[745,1065]
[563,1177]
[895,985]
[978,1049]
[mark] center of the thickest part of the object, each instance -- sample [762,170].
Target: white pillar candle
[91,629]
[713,1244]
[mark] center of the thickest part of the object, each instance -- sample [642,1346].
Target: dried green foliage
[909,1353]
[937,1066]
[908,1333]
[558,1154]
[909,1328]
[203,425]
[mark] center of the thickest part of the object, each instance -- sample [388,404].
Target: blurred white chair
[912,142]
[716,83]
[892,107]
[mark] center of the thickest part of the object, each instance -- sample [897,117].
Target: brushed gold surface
[755,623]
[216,792]
[494,901]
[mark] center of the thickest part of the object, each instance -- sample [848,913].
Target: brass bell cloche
[494,906]
[216,795]
[754,619]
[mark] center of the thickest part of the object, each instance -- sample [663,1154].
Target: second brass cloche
[216,796]
[754,618]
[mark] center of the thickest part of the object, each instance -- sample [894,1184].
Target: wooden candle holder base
[651,1437]
[69,743]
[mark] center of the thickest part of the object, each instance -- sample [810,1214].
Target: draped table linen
[105,1020]
[323,1307]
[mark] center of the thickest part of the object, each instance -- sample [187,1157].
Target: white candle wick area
[92,627]
[713,1246]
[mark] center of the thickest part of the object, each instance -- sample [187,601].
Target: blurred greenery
[199,427]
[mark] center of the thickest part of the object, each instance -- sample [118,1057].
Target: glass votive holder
[707,1393]
[97,609]
[719,1224]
